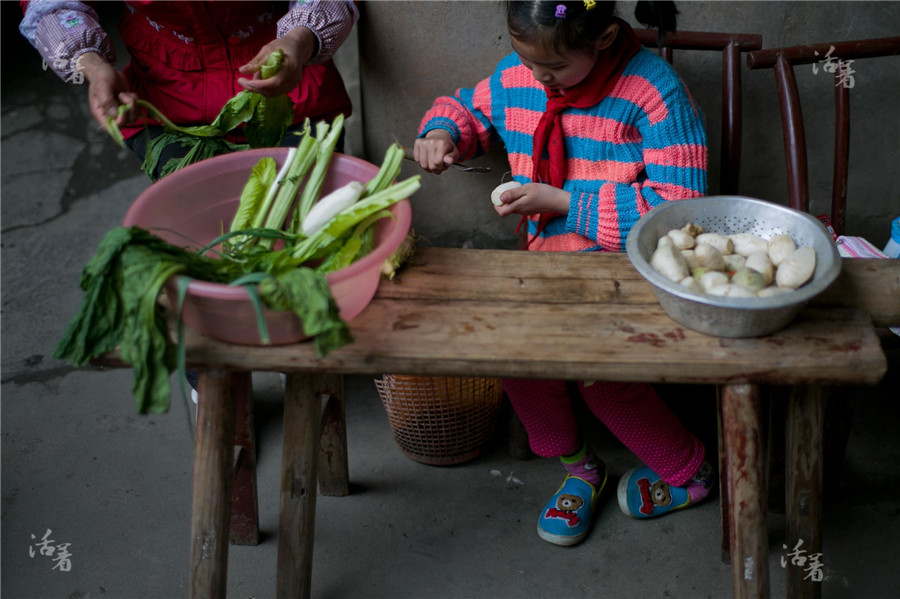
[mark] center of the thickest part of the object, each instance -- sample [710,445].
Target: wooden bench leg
[299,465]
[334,472]
[724,511]
[244,499]
[213,468]
[746,491]
[805,429]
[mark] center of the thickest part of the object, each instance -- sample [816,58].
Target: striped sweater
[642,145]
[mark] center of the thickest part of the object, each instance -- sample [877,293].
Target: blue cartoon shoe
[566,519]
[643,494]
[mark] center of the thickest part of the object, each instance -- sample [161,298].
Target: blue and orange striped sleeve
[469,115]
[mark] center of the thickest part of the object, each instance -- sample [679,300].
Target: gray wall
[412,52]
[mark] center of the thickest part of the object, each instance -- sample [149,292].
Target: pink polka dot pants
[633,412]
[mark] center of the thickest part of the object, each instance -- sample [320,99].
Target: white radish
[713,278]
[709,257]
[330,206]
[748,243]
[797,268]
[669,262]
[780,247]
[683,240]
[691,284]
[749,279]
[498,191]
[730,290]
[760,262]
[691,258]
[692,229]
[722,243]
[733,262]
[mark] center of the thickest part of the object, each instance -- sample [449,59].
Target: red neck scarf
[596,86]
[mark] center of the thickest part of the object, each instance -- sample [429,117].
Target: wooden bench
[477,313]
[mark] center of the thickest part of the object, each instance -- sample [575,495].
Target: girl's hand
[298,46]
[107,89]
[533,198]
[435,151]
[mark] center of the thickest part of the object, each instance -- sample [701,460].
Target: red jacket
[185,58]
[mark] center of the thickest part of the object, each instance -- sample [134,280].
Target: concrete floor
[115,486]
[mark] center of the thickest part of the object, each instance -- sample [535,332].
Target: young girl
[598,131]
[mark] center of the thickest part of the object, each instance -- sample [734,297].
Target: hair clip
[560,11]
[589,4]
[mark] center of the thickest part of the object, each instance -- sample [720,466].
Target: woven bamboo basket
[441,420]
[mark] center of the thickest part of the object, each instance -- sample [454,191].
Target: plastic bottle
[892,249]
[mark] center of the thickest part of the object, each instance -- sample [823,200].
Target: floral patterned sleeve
[330,21]
[62,32]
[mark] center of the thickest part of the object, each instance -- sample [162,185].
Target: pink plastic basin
[193,206]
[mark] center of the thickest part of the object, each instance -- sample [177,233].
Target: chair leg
[517,436]
[334,474]
[776,403]
[244,523]
[840,403]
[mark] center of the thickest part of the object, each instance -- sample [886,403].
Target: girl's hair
[575,26]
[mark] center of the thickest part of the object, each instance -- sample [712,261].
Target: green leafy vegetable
[265,122]
[254,194]
[124,279]
[122,283]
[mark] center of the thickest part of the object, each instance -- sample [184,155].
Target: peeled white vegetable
[330,206]
[495,195]
[748,243]
[797,268]
[690,257]
[780,247]
[772,291]
[733,262]
[665,240]
[692,229]
[683,240]
[760,263]
[669,262]
[730,290]
[749,279]
[708,256]
[713,278]
[722,243]
[691,284]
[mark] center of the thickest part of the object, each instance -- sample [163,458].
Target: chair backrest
[731,45]
[836,57]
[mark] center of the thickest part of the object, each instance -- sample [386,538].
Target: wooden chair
[731,45]
[782,61]
[839,403]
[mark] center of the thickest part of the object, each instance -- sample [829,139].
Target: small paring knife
[458,166]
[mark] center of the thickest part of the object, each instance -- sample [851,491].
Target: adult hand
[435,151]
[534,198]
[107,89]
[299,46]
